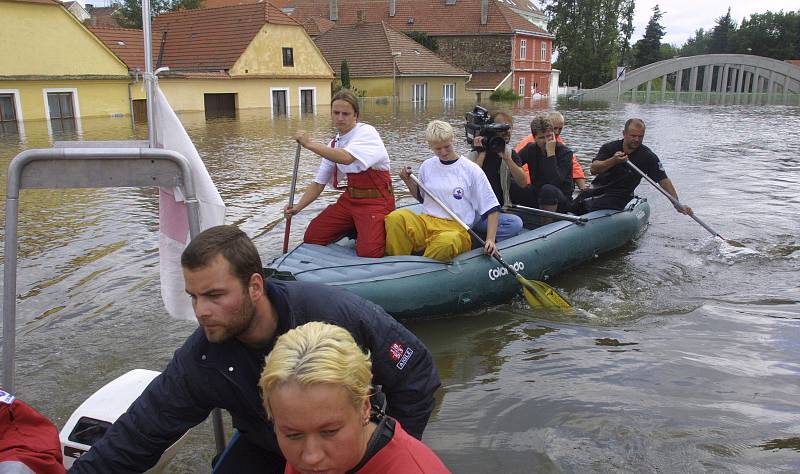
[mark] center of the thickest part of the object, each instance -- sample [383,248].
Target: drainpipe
[484,11]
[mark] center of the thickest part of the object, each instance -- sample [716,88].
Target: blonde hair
[555,116]
[439,131]
[317,353]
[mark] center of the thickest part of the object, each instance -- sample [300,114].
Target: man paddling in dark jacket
[241,315]
[615,182]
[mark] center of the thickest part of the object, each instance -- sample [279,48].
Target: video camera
[480,124]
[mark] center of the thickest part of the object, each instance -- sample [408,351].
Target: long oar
[576,219]
[538,293]
[291,199]
[677,203]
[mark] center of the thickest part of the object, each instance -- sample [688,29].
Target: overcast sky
[683,17]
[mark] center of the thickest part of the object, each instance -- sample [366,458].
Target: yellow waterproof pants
[441,239]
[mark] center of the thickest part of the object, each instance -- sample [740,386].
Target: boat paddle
[567,217]
[291,199]
[677,203]
[538,293]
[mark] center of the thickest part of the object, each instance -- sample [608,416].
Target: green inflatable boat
[414,286]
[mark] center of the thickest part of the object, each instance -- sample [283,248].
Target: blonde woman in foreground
[316,389]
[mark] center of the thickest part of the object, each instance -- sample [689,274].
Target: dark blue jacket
[203,376]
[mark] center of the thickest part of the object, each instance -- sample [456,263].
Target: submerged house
[225,59]
[53,68]
[384,62]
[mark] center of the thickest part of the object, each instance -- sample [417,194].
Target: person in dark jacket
[615,182]
[550,167]
[241,314]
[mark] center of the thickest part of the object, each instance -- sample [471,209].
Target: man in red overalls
[358,153]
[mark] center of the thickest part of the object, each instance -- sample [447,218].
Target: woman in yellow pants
[461,185]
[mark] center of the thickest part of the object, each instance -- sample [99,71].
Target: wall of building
[435,88]
[92,98]
[374,86]
[188,94]
[531,66]
[42,39]
[264,56]
[489,53]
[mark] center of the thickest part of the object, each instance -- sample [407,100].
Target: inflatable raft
[414,286]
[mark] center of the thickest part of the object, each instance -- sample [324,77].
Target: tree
[722,40]
[774,35]
[696,45]
[626,28]
[422,38]
[648,49]
[345,73]
[588,37]
[129,13]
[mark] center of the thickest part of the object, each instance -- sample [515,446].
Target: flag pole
[149,83]
[149,78]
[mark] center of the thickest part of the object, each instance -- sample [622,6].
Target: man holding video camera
[489,137]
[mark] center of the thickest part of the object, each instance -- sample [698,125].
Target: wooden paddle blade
[541,295]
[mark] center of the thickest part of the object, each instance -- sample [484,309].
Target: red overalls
[28,437]
[361,207]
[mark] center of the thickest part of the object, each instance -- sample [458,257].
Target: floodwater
[683,358]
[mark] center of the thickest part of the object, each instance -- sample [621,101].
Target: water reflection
[678,347]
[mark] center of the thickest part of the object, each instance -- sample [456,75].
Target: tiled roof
[126,43]
[317,26]
[486,80]
[433,17]
[46,2]
[197,40]
[214,38]
[227,3]
[103,17]
[795,62]
[368,50]
[524,5]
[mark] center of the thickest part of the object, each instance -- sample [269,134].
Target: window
[307,101]
[419,92]
[523,49]
[522,86]
[449,92]
[280,102]
[8,114]
[62,111]
[544,50]
[288,57]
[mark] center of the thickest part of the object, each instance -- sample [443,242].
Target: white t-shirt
[366,146]
[462,186]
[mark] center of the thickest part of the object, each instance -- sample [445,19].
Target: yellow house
[53,68]
[384,62]
[229,58]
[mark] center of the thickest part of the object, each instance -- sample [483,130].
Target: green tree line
[592,38]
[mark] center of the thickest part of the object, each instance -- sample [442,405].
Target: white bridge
[742,75]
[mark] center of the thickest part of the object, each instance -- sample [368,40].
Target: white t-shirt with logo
[462,186]
[366,146]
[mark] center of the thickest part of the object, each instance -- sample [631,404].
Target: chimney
[484,11]
[392,7]
[334,8]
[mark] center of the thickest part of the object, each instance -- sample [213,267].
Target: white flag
[172,212]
